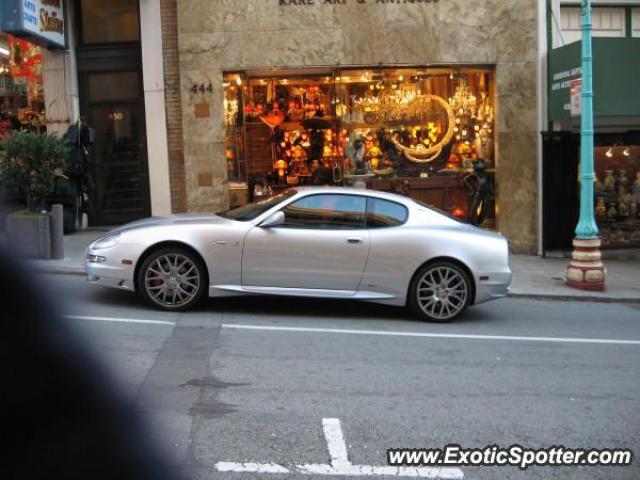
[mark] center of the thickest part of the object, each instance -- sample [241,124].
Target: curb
[574,298]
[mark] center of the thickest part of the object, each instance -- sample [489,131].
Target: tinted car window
[326,211]
[383,213]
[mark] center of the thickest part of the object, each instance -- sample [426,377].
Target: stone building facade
[232,35]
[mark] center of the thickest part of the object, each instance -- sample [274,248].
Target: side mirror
[273,220]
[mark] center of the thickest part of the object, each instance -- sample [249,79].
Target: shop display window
[416,122]
[234,128]
[617,194]
[21,87]
[387,127]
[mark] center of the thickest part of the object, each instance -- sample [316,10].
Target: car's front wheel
[440,291]
[172,279]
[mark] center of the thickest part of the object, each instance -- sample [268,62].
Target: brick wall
[173,105]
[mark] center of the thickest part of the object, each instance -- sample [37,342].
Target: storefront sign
[563,81]
[41,21]
[287,3]
[615,78]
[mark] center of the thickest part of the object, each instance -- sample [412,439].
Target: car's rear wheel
[172,279]
[440,291]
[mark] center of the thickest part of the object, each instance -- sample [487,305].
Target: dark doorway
[112,101]
[119,153]
[560,189]
[119,164]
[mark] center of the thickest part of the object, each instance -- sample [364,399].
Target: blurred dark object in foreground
[62,417]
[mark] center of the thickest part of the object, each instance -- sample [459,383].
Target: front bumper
[107,273]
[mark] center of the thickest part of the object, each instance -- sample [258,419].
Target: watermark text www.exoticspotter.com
[454,455]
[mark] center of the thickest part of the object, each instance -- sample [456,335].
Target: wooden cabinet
[259,156]
[445,192]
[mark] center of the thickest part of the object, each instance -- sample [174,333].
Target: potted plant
[29,169]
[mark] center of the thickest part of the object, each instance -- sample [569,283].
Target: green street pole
[587,227]
[586,270]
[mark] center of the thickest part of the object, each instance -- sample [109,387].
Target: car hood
[172,219]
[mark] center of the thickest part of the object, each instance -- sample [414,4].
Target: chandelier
[395,102]
[463,101]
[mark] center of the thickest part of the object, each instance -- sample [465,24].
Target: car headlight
[107,241]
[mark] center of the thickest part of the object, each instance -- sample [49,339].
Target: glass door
[119,155]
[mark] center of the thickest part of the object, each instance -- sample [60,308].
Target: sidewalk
[74,247]
[544,277]
[533,277]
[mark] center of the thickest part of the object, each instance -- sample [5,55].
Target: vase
[609,181]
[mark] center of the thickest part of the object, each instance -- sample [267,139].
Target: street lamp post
[586,271]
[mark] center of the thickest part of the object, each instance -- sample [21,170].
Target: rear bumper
[496,287]
[485,293]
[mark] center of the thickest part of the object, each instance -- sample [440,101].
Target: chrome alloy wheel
[442,292]
[172,280]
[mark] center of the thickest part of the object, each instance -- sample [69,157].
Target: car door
[323,244]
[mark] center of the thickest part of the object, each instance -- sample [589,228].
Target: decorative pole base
[586,271]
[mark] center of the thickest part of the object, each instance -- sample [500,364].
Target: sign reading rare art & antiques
[287,3]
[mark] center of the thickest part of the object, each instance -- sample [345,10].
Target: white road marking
[251,467]
[608,341]
[335,441]
[369,471]
[340,465]
[120,320]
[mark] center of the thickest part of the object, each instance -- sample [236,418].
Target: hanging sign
[576,97]
[40,21]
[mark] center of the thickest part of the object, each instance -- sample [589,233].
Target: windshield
[253,210]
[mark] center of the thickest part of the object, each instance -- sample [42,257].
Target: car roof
[355,191]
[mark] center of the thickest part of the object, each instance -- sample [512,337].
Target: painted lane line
[606,341]
[251,467]
[351,470]
[335,441]
[120,320]
[340,465]
[344,470]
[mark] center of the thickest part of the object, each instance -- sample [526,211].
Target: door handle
[221,242]
[354,240]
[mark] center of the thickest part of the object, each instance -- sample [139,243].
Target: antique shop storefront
[416,131]
[394,95]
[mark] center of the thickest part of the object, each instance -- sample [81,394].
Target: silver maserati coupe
[326,242]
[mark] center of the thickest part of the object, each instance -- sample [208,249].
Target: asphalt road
[218,393]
